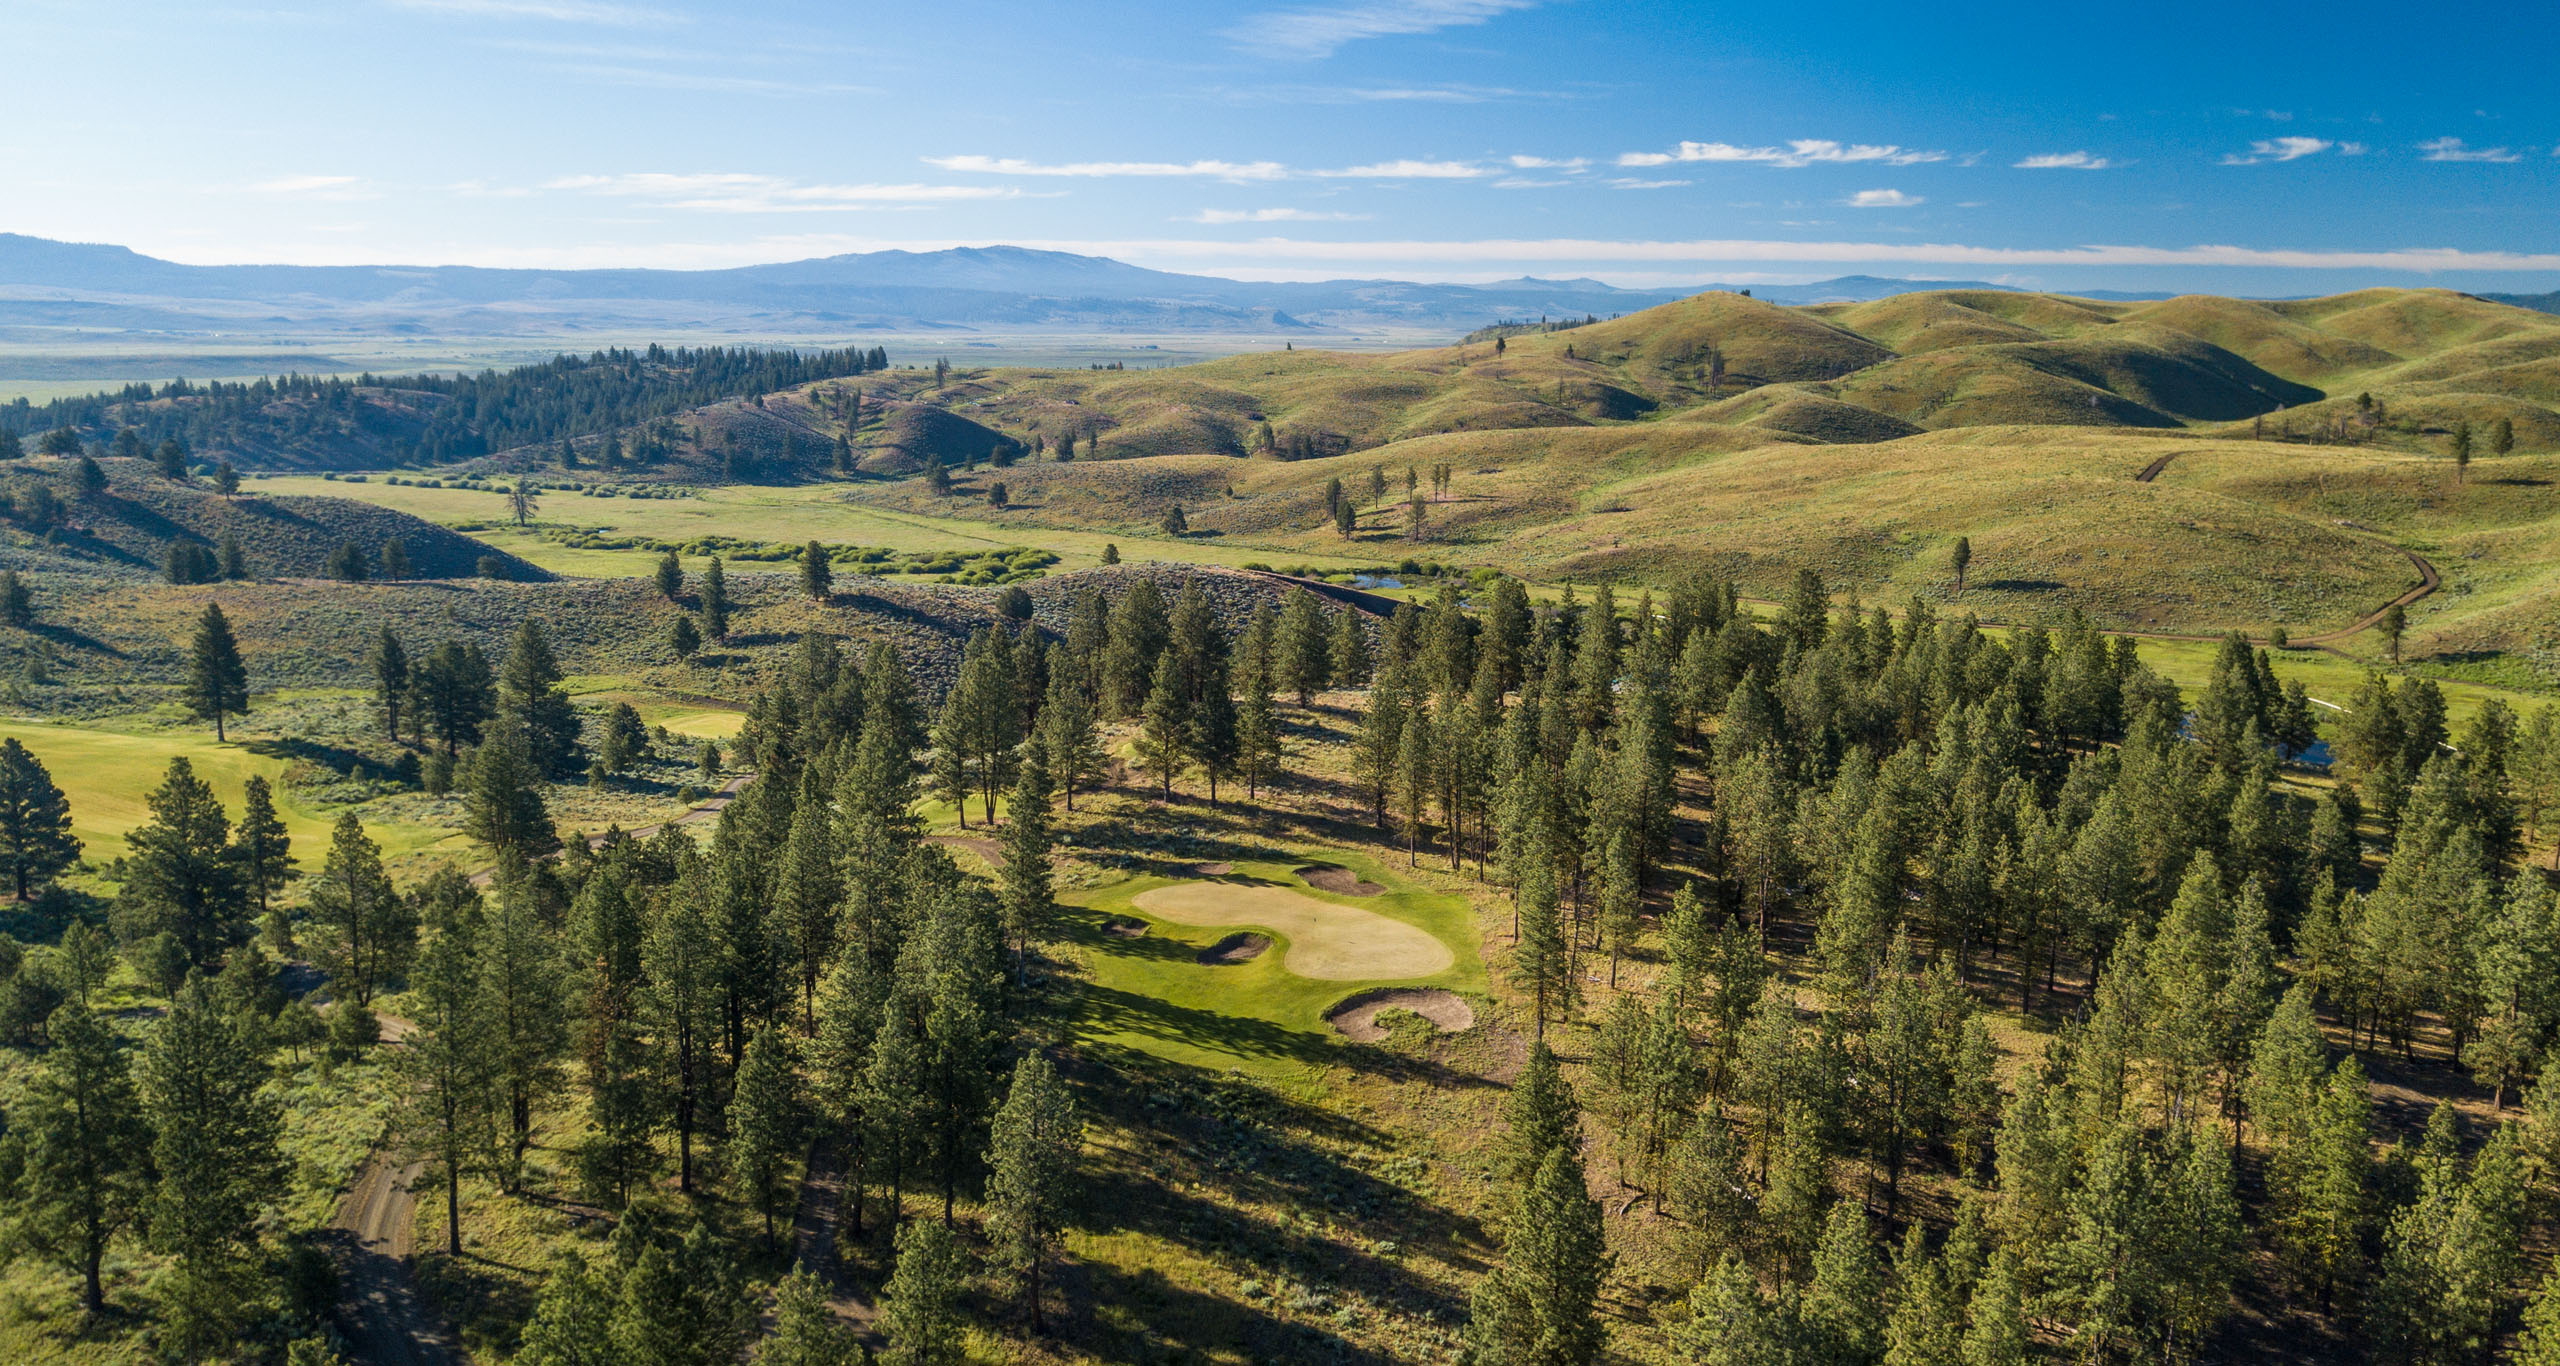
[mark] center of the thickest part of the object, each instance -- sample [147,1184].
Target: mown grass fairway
[1263,1015]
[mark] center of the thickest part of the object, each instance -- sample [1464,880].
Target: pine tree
[920,1312]
[1843,1312]
[1165,728]
[714,595]
[1541,1117]
[520,996]
[74,1168]
[1996,1332]
[446,1067]
[817,572]
[1730,1323]
[1540,1307]
[1070,742]
[214,1152]
[363,930]
[808,893]
[35,820]
[17,605]
[669,577]
[217,682]
[502,802]
[764,1120]
[1031,1181]
[182,877]
[805,1330]
[1926,1327]
[532,700]
[1349,650]
[1030,906]
[1541,962]
[390,665]
[681,1305]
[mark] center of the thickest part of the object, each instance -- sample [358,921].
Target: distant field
[793,513]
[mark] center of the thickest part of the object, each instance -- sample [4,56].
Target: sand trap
[1324,877]
[1357,1017]
[1125,928]
[1236,948]
[1213,869]
[1327,942]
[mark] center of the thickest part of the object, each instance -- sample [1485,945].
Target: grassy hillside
[130,527]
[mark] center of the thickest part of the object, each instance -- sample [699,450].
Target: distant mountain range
[47,286]
[2539,303]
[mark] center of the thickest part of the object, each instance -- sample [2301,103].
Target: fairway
[1265,1014]
[107,774]
[1327,942]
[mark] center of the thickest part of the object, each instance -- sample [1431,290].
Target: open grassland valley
[1973,829]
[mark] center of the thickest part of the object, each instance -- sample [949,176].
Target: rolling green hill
[129,528]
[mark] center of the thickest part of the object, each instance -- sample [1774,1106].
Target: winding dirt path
[2428,581]
[386,1320]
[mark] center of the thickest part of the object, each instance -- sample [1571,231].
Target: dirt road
[386,1321]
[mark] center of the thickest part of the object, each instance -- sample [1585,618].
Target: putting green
[1327,943]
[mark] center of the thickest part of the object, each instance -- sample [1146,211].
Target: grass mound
[131,526]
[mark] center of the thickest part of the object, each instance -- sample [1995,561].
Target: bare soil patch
[1325,877]
[1357,1017]
[1326,942]
[991,850]
[1236,948]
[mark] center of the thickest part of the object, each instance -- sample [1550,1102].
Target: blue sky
[2268,148]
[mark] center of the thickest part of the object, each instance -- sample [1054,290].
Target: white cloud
[2064,161]
[2352,149]
[1320,31]
[1550,163]
[2452,149]
[1629,183]
[555,11]
[748,193]
[306,184]
[1883,199]
[1212,170]
[1408,170]
[1800,152]
[2278,150]
[1272,216]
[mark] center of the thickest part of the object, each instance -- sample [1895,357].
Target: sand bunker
[1236,948]
[1214,869]
[1357,1017]
[1325,877]
[1327,942]
[1124,927]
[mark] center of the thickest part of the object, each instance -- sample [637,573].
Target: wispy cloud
[1408,170]
[2266,150]
[652,78]
[1629,183]
[1798,153]
[1322,30]
[1207,170]
[1569,164]
[2064,161]
[1883,199]
[1271,216]
[2452,149]
[307,184]
[555,11]
[740,192]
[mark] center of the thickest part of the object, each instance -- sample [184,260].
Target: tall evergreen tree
[217,684]
[35,820]
[364,931]
[214,1151]
[390,664]
[920,1311]
[1031,1180]
[764,1120]
[1540,1307]
[532,700]
[182,876]
[448,1064]
[75,1165]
